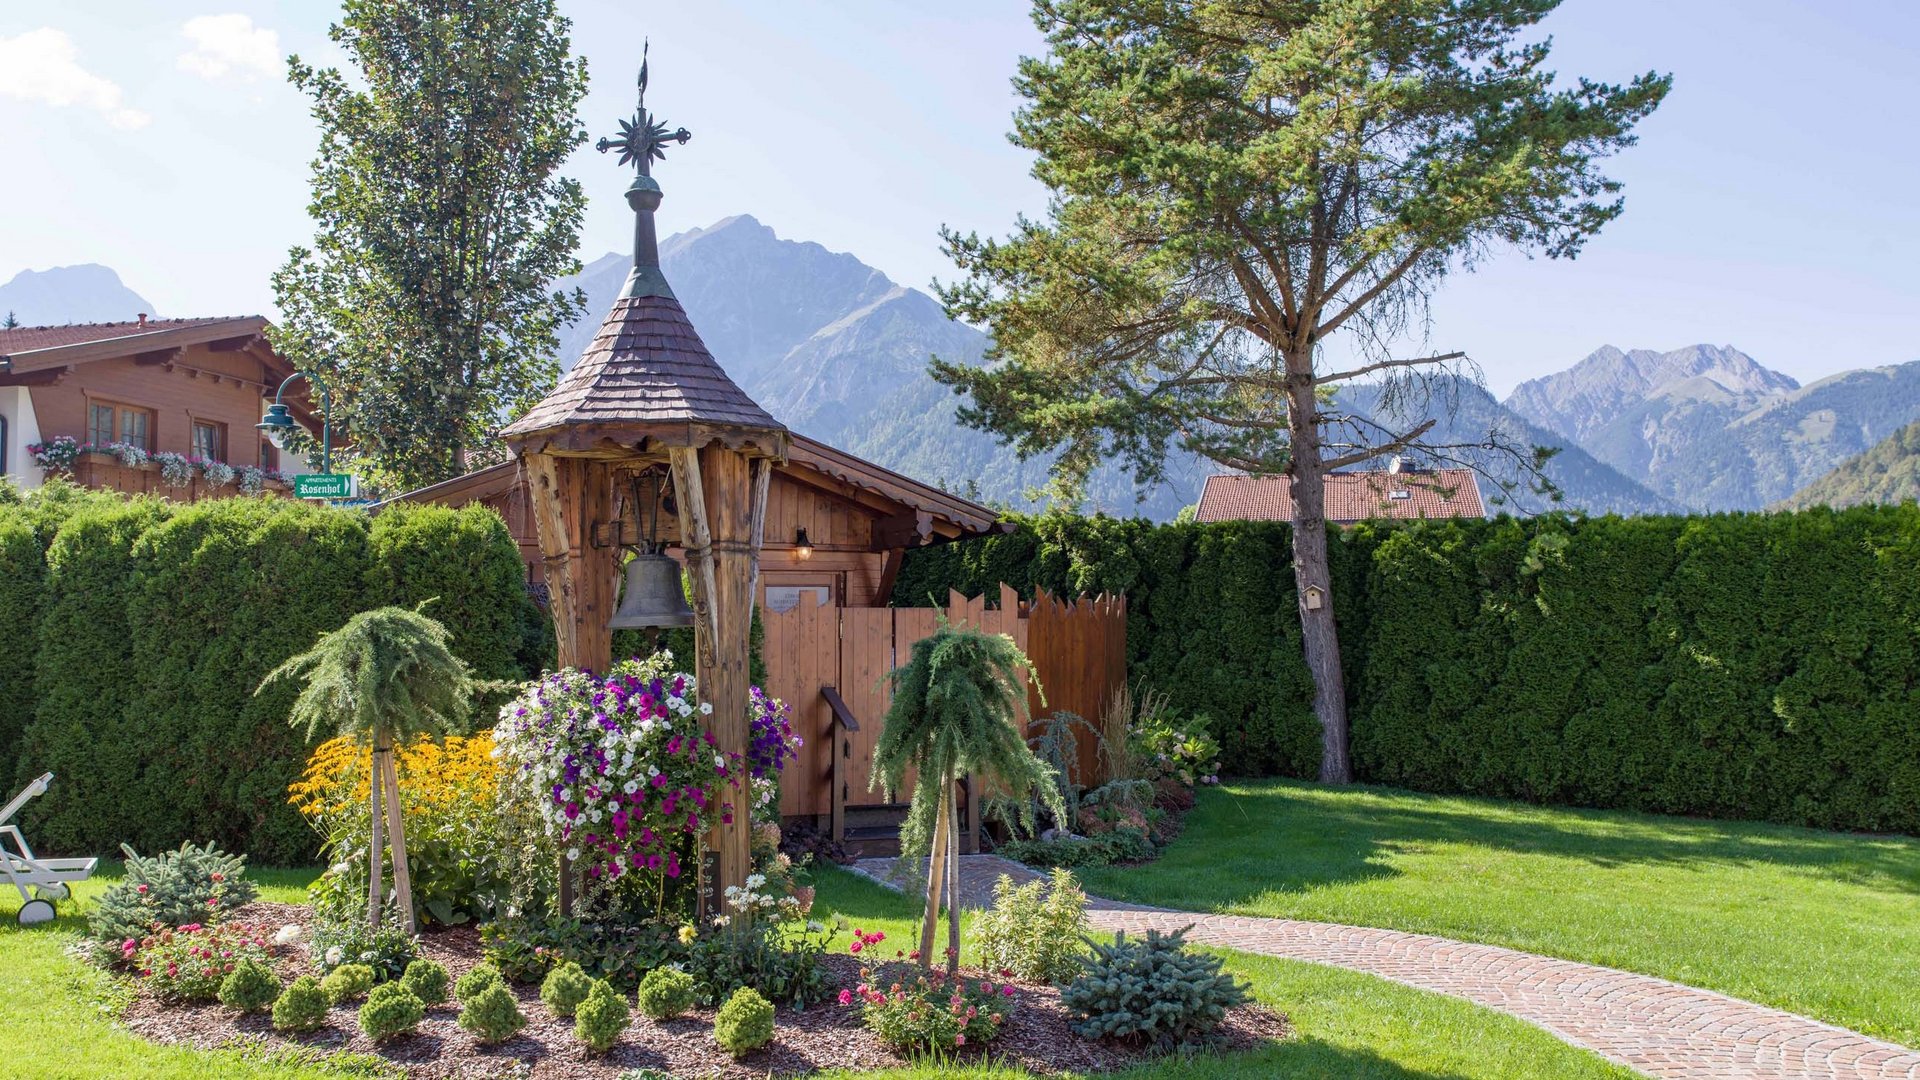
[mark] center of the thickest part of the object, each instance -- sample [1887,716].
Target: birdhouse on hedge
[647,422]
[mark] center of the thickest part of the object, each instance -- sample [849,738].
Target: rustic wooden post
[647,392]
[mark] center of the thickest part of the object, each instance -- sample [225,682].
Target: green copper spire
[643,140]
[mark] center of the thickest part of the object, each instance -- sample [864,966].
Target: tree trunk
[376,847]
[1313,580]
[397,840]
[953,883]
[936,878]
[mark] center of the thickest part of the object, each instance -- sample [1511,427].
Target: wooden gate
[830,666]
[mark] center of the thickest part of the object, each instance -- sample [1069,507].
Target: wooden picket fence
[831,665]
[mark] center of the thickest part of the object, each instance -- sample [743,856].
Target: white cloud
[230,45]
[42,66]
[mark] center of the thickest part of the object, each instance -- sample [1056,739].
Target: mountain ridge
[837,350]
[70,295]
[1712,429]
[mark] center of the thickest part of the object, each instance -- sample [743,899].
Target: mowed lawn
[55,1015]
[1818,923]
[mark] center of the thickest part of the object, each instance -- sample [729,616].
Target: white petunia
[706,708]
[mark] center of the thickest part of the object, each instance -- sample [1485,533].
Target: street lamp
[278,423]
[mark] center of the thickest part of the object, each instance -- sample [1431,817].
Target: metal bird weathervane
[643,140]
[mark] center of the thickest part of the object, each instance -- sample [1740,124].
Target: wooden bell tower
[647,393]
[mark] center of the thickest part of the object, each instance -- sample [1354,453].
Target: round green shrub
[599,1020]
[250,987]
[391,1009]
[565,988]
[666,993]
[302,1005]
[491,1012]
[745,1023]
[347,982]
[427,980]
[476,982]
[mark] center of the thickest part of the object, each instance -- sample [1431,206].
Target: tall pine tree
[1234,184]
[441,219]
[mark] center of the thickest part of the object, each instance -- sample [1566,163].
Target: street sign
[323,486]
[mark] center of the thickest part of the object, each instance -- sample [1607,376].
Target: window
[107,423]
[268,459]
[3,446]
[99,424]
[133,427]
[208,441]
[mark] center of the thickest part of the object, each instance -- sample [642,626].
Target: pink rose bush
[188,963]
[914,1011]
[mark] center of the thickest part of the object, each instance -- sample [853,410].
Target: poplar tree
[440,221]
[1235,184]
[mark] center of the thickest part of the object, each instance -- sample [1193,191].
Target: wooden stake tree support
[647,395]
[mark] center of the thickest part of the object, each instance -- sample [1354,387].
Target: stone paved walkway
[1658,1027]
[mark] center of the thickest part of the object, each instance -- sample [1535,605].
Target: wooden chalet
[193,387]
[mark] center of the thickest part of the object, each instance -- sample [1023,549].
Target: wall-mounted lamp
[802,547]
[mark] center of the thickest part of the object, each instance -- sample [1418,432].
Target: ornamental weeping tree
[386,676]
[1237,185]
[959,708]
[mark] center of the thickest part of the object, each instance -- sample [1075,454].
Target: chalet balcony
[105,471]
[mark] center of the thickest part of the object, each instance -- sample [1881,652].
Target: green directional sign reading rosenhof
[323,486]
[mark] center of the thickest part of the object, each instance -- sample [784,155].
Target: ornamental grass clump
[666,992]
[347,982]
[427,980]
[385,677]
[250,987]
[475,982]
[1151,991]
[959,708]
[302,1006]
[1036,930]
[565,988]
[599,1020]
[745,1023]
[391,1010]
[491,1012]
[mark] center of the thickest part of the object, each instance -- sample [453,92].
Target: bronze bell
[653,597]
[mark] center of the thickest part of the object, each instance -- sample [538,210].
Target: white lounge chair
[48,877]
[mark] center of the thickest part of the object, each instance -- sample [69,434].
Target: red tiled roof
[1351,496]
[24,339]
[646,366]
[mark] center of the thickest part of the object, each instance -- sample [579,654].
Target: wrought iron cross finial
[643,139]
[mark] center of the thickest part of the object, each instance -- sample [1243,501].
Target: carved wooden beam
[912,528]
[236,344]
[168,357]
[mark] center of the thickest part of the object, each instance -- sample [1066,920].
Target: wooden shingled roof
[647,375]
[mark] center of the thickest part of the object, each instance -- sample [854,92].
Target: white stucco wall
[16,404]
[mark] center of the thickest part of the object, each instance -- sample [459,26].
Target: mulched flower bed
[826,1036]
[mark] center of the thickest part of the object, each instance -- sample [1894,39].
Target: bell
[653,597]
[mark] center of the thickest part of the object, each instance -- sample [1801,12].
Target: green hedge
[1211,615]
[156,622]
[1740,666]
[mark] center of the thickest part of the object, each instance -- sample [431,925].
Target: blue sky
[1771,204]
